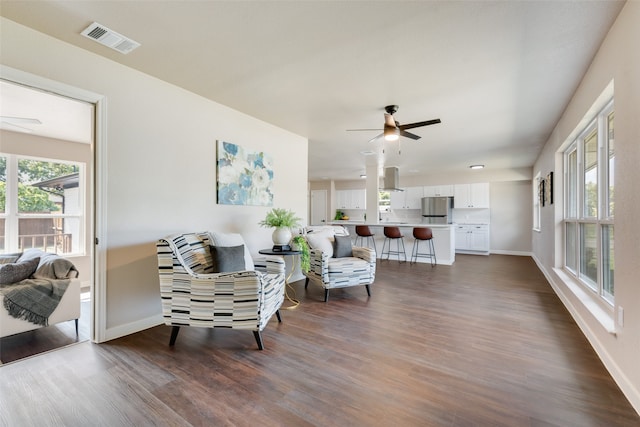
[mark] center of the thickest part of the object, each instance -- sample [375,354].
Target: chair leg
[368,290]
[326,295]
[306,283]
[174,335]
[278,316]
[258,337]
[76,327]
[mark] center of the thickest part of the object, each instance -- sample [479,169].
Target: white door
[318,207]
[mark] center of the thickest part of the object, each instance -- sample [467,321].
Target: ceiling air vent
[110,38]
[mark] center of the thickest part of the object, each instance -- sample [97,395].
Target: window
[589,164]
[536,202]
[41,205]
[384,201]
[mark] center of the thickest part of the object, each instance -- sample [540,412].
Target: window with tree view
[41,205]
[589,205]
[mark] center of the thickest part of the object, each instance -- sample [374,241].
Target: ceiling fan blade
[409,134]
[419,124]
[4,124]
[375,138]
[21,120]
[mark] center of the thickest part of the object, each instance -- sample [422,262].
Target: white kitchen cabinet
[472,238]
[471,195]
[358,199]
[410,198]
[438,191]
[351,199]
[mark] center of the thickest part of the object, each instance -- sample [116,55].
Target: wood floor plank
[483,342]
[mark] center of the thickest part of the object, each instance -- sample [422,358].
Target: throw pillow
[342,247]
[227,258]
[321,240]
[16,272]
[233,239]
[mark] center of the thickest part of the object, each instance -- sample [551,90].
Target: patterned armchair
[193,295]
[330,268]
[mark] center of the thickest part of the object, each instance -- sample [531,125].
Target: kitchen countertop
[386,223]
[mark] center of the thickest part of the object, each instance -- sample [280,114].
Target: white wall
[617,59]
[160,149]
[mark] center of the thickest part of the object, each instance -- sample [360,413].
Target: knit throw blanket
[34,300]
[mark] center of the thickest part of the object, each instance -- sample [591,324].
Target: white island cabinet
[443,239]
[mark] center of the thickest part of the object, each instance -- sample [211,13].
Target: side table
[288,288]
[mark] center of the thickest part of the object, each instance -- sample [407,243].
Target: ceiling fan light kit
[391,133]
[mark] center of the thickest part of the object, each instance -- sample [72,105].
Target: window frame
[12,216]
[577,217]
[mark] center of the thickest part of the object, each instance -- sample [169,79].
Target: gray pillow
[227,258]
[342,247]
[16,272]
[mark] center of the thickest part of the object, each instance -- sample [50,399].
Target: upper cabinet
[471,195]
[410,198]
[438,191]
[351,199]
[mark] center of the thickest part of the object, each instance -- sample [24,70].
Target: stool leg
[404,251]
[414,252]
[434,260]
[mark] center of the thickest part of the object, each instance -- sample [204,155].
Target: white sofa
[68,308]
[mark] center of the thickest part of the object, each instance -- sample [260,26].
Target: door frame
[97,181]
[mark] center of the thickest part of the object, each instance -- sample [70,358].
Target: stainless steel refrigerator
[437,210]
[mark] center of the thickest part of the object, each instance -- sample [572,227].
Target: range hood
[391,179]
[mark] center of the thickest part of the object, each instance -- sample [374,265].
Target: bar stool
[421,234]
[364,233]
[390,234]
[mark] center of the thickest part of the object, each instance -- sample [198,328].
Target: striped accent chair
[193,295]
[330,272]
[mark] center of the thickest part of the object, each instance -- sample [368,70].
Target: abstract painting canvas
[244,177]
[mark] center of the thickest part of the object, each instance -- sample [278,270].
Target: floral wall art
[244,177]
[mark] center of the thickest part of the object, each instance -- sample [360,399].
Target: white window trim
[12,216]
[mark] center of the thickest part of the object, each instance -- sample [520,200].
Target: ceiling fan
[392,129]
[15,122]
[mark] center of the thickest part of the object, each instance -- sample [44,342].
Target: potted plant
[283,220]
[299,243]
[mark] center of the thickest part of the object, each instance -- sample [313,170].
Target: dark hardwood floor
[482,343]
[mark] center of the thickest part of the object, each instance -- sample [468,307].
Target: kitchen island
[443,238]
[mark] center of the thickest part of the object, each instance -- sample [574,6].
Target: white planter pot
[281,236]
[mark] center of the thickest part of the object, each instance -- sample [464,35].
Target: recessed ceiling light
[476,167]
[363,175]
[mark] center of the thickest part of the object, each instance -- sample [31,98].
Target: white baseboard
[630,390]
[133,327]
[516,253]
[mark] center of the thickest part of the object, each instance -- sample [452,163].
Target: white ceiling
[497,73]
[59,117]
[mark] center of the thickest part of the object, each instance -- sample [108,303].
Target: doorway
[318,207]
[37,142]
